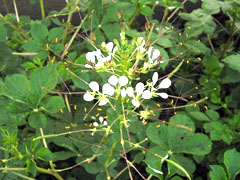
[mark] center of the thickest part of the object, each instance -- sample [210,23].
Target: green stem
[5,6]
[16,10]
[73,37]
[42,9]
[231,31]
[41,170]
[69,21]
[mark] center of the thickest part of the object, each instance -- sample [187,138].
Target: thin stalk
[42,8]
[231,31]
[5,6]
[73,37]
[212,47]
[24,53]
[69,21]
[50,162]
[16,10]
[66,133]
[175,11]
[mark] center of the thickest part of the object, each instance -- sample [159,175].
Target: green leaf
[217,173]
[32,46]
[233,62]
[165,42]
[16,87]
[214,115]
[111,30]
[3,33]
[231,161]
[37,120]
[54,33]
[199,116]
[212,65]
[196,47]
[45,77]
[32,167]
[53,104]
[178,137]
[63,155]
[185,163]
[39,32]
[219,131]
[146,11]
[211,6]
[45,154]
[198,144]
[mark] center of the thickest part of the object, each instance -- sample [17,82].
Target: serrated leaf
[16,87]
[54,33]
[45,154]
[32,167]
[199,116]
[231,161]
[37,120]
[32,46]
[233,62]
[217,173]
[39,32]
[45,77]
[53,104]
[3,33]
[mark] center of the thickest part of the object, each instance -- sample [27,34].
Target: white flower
[107,89]
[97,55]
[164,84]
[94,86]
[101,120]
[88,97]
[136,95]
[153,55]
[123,81]
[113,80]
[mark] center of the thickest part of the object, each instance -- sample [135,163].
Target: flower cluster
[121,87]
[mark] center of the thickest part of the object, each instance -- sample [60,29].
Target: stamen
[75,107]
[67,127]
[85,109]
[158,126]
[61,111]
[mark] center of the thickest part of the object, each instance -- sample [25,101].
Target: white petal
[113,80]
[156,54]
[98,54]
[135,103]
[139,88]
[115,49]
[123,81]
[163,95]
[90,56]
[103,102]
[110,46]
[123,92]
[101,119]
[129,91]
[149,53]
[88,66]
[155,170]
[88,97]
[165,83]
[108,89]
[104,123]
[155,78]
[94,86]
[147,94]
[95,124]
